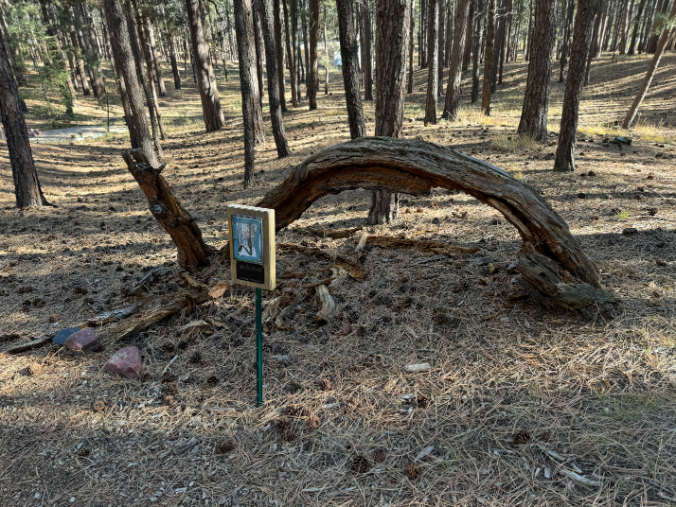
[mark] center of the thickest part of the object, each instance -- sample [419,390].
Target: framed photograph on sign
[247,239]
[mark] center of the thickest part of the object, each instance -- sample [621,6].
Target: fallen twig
[425,246]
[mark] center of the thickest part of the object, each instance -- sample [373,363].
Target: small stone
[99,406]
[72,499]
[82,340]
[63,335]
[630,231]
[35,369]
[125,362]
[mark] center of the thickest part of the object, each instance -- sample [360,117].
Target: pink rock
[82,340]
[125,362]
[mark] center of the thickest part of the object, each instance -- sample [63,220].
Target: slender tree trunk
[174,63]
[440,47]
[536,101]
[279,48]
[584,20]
[452,103]
[126,69]
[478,43]
[626,20]
[411,47]
[517,34]
[266,15]
[211,104]
[350,67]
[422,35]
[566,37]
[12,53]
[650,73]
[328,56]
[91,64]
[48,20]
[303,20]
[499,42]
[529,38]
[366,59]
[592,50]
[246,50]
[433,69]
[27,188]
[636,31]
[291,58]
[150,35]
[450,34]
[488,59]
[392,29]
[79,63]
[258,38]
[313,71]
[295,43]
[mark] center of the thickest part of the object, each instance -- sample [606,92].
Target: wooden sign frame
[252,246]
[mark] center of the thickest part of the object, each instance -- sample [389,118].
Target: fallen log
[438,247]
[353,269]
[333,234]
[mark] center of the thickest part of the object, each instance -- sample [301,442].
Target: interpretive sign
[252,246]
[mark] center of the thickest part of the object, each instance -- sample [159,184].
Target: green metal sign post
[259,348]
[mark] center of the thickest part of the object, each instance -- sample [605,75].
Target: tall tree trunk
[411,47]
[529,38]
[246,50]
[440,47]
[626,20]
[392,28]
[649,18]
[350,60]
[290,58]
[517,33]
[636,31]
[90,57]
[592,50]
[279,48]
[266,15]
[55,45]
[79,62]
[138,57]
[150,35]
[174,63]
[211,104]
[652,68]
[566,37]
[366,58]
[27,188]
[450,34]
[488,59]
[326,50]
[536,101]
[433,69]
[126,69]
[313,70]
[499,42]
[295,42]
[452,103]
[422,34]
[478,42]
[584,20]
[12,53]
[258,38]
[303,20]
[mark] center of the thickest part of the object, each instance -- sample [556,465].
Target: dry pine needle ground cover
[522,405]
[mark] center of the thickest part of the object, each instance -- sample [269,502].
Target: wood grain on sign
[253,257]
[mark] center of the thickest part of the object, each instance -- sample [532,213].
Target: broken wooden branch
[193,252]
[329,233]
[438,247]
[17,349]
[328,304]
[353,269]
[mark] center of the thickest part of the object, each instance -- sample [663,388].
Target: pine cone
[522,437]
[412,470]
[170,389]
[313,422]
[225,447]
[379,455]
[423,401]
[326,385]
[99,406]
[282,425]
[360,464]
[35,369]
[296,411]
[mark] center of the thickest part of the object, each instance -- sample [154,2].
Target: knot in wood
[157,209]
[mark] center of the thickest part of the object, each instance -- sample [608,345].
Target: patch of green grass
[621,216]
[513,143]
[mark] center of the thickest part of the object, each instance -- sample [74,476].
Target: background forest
[408,358]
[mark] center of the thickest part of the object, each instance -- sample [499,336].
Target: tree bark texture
[244,25]
[441,58]
[279,48]
[350,59]
[313,71]
[211,104]
[27,188]
[126,69]
[258,38]
[150,36]
[193,253]
[79,63]
[636,31]
[595,34]
[584,20]
[411,48]
[433,69]
[174,63]
[415,167]
[266,15]
[536,101]
[652,68]
[452,103]
[566,38]
[291,58]
[392,19]
[477,42]
[488,59]
[366,58]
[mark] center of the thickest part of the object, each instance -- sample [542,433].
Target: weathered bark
[266,15]
[411,48]
[595,34]
[366,52]
[392,19]
[313,70]
[565,151]
[150,35]
[126,69]
[174,63]
[193,253]
[455,74]
[290,58]
[279,48]
[142,79]
[433,69]
[488,59]
[295,45]
[478,42]
[652,68]
[415,167]
[566,37]
[441,58]
[79,63]
[258,38]
[27,188]
[536,101]
[206,79]
[350,59]
[244,26]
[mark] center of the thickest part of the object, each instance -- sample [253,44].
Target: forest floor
[523,405]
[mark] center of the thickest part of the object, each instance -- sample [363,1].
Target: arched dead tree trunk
[551,259]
